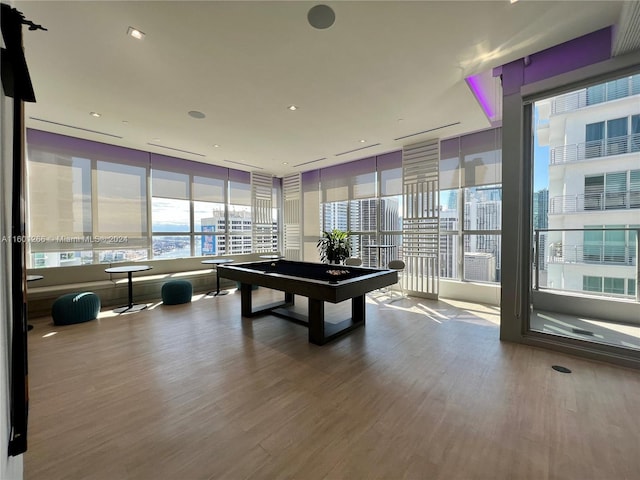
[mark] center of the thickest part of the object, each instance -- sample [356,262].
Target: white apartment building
[593,136]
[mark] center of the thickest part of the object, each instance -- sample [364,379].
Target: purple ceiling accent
[349,169]
[512,77]
[388,161]
[239,176]
[450,148]
[72,146]
[310,180]
[476,87]
[480,142]
[180,165]
[580,52]
[472,143]
[77,147]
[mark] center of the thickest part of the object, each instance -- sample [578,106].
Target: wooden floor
[425,391]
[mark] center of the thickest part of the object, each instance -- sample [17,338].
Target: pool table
[319,282]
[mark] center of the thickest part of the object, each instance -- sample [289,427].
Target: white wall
[484,293]
[10,467]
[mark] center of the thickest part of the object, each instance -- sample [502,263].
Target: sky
[540,160]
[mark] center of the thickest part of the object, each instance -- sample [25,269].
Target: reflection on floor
[592,330]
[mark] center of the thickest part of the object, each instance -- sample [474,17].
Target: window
[609,244]
[613,285]
[239,238]
[634,189]
[170,213]
[596,94]
[613,90]
[617,136]
[615,189]
[613,137]
[594,146]
[614,244]
[612,190]
[594,192]
[471,207]
[591,284]
[209,212]
[609,285]
[365,198]
[60,203]
[592,244]
[89,201]
[635,132]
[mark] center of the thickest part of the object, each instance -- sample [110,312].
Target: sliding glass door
[585,217]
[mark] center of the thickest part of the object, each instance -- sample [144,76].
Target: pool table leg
[358,310]
[319,335]
[245,299]
[246,302]
[316,321]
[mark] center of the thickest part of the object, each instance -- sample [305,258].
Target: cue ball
[273,264]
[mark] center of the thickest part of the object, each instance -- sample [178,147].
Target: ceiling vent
[310,161]
[357,149]
[244,164]
[427,131]
[74,127]
[176,149]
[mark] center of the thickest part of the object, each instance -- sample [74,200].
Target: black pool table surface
[319,282]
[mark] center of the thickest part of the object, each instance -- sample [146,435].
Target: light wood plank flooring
[425,391]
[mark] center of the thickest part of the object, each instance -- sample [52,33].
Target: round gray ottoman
[175,292]
[75,308]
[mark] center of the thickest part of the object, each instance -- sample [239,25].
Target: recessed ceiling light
[362,141]
[196,114]
[513,1]
[216,146]
[135,33]
[285,163]
[125,121]
[292,107]
[95,114]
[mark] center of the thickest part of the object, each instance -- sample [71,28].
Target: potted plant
[334,246]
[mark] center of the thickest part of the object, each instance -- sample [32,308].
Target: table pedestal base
[213,293]
[130,309]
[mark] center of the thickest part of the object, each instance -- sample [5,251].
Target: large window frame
[471,207]
[138,188]
[364,197]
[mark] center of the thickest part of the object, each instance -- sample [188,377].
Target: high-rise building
[238,241]
[541,222]
[593,136]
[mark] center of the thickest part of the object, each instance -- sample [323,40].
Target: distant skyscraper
[541,209]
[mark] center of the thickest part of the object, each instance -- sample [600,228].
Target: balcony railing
[594,202]
[592,96]
[564,255]
[570,101]
[594,149]
[596,253]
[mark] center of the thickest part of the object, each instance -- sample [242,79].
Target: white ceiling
[384,70]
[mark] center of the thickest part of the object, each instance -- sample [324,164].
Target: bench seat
[113,288]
